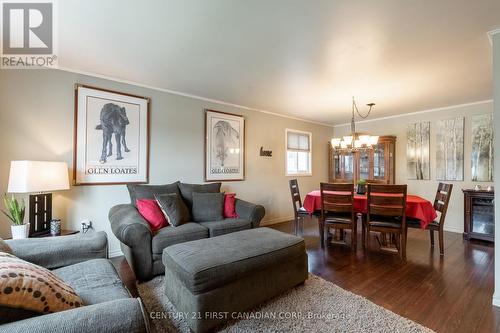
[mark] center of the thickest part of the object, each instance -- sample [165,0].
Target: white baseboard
[454,229]
[115,253]
[276,220]
[496,300]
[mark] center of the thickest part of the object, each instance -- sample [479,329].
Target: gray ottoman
[211,279]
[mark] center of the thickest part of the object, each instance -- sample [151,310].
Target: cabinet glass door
[379,161]
[483,216]
[348,166]
[337,170]
[364,165]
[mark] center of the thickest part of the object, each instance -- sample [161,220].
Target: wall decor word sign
[266,153]
[111,137]
[224,146]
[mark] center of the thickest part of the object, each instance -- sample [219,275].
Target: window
[298,153]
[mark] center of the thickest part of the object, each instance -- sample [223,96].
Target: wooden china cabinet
[375,165]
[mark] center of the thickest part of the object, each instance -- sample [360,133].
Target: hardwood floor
[447,294]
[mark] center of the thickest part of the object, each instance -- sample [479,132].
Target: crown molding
[178,93]
[418,112]
[491,34]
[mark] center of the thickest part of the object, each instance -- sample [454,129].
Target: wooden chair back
[386,200]
[294,191]
[375,181]
[442,200]
[337,198]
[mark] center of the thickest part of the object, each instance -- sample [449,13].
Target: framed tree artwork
[224,146]
[417,150]
[450,149]
[482,148]
[111,141]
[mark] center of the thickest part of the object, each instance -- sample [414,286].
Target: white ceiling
[300,58]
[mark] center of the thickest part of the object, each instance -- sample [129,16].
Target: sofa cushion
[149,191]
[34,288]
[206,264]
[230,205]
[173,207]
[96,281]
[152,213]
[187,191]
[226,226]
[174,235]
[208,207]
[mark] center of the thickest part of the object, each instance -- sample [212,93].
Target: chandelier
[355,141]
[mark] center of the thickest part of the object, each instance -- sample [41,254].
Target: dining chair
[441,202]
[386,209]
[337,210]
[298,210]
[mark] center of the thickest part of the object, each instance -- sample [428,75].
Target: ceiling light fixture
[355,141]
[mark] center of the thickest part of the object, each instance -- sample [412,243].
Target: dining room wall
[36,123]
[496,119]
[396,126]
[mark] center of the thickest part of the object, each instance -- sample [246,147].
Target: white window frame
[286,153]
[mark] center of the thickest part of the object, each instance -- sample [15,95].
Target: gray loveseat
[80,261]
[143,249]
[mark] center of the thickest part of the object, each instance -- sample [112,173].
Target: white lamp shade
[364,139]
[336,142]
[37,176]
[348,139]
[374,139]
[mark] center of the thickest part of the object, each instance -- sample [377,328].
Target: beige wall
[427,188]
[496,117]
[36,123]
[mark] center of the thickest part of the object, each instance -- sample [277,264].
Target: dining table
[416,207]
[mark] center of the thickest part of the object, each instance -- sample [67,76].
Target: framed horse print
[224,146]
[111,139]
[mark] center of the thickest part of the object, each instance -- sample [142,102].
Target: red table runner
[416,207]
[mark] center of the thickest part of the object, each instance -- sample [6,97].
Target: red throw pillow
[229,205]
[152,213]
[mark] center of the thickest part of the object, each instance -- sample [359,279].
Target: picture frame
[418,150]
[450,149]
[224,146]
[111,137]
[482,163]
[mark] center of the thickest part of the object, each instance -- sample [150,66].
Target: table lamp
[38,177]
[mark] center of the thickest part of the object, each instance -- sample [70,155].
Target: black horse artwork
[225,137]
[113,120]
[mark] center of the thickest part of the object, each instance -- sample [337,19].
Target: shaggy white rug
[316,306]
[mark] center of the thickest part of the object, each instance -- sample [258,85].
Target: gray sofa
[79,260]
[143,249]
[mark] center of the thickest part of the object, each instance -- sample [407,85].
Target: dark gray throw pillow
[149,191]
[208,207]
[173,208]
[187,191]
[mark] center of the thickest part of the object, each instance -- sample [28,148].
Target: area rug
[316,306]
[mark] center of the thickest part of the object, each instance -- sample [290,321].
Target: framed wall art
[450,149]
[111,143]
[482,148]
[417,150]
[224,146]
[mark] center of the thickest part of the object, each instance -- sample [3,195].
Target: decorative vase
[55,227]
[20,231]
[361,189]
